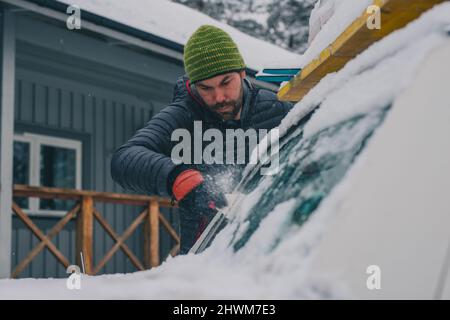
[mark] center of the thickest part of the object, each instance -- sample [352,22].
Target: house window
[48,162]
[21,168]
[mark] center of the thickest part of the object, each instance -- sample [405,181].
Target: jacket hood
[180,91]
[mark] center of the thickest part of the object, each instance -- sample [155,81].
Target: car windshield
[309,167]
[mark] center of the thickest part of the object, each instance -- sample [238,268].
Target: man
[216,93]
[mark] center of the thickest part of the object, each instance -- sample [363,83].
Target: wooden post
[151,235]
[84,234]
[7,82]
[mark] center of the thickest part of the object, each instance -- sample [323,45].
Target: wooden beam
[151,236]
[38,233]
[169,228]
[8,79]
[84,234]
[154,233]
[120,241]
[395,14]
[41,245]
[75,194]
[175,250]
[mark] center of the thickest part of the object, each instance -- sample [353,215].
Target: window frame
[35,142]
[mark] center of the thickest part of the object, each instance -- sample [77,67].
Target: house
[69,98]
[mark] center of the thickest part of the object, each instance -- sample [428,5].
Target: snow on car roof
[177,22]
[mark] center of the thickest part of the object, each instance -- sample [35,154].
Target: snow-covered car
[362,193]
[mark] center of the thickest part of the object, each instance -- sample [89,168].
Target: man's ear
[242,74]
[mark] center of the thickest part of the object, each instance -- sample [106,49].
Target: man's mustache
[221,105]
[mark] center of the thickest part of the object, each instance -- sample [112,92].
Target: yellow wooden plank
[395,14]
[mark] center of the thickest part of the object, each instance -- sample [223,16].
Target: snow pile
[322,12]
[372,80]
[328,20]
[177,22]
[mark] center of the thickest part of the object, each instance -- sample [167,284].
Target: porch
[85,214]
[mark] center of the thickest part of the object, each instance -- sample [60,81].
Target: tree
[281,22]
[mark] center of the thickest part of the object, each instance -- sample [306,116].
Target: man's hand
[197,192]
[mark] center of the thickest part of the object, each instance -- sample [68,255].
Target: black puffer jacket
[143,164]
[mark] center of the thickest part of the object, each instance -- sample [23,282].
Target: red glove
[185,182]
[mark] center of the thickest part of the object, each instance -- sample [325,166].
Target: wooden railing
[85,212]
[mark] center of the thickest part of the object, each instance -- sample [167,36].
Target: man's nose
[220,96]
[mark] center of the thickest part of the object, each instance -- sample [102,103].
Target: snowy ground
[372,80]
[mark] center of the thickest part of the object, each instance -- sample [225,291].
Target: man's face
[223,94]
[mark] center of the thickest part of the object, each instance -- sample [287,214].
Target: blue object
[291,71]
[277,78]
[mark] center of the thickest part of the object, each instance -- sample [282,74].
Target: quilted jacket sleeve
[143,163]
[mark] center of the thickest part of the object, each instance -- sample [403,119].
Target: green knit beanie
[210,51]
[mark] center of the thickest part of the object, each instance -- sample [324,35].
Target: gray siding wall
[84,93]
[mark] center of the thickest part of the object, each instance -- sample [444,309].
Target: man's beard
[233,112]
